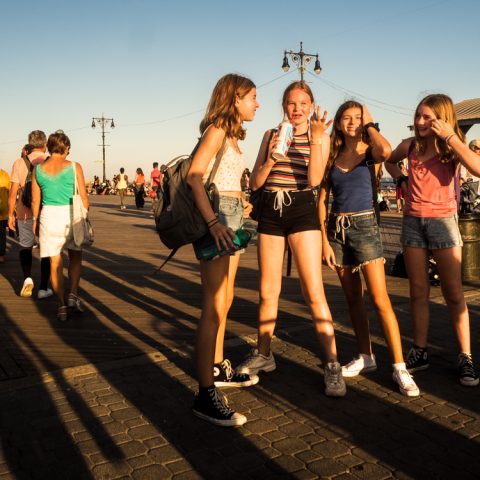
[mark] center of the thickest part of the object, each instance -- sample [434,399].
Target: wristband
[371,125]
[448,137]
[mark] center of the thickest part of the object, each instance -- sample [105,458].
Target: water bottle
[209,250]
[285,136]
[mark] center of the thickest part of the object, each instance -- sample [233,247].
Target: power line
[378,103]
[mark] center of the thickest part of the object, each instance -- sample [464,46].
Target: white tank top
[229,171]
[121,182]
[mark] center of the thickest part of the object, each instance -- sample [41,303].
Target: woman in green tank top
[53,185]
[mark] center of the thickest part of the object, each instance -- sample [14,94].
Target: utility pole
[301,60]
[102,121]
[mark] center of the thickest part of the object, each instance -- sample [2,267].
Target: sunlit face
[423,121]
[298,106]
[350,123]
[247,106]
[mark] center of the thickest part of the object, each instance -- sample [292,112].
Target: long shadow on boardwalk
[160,398]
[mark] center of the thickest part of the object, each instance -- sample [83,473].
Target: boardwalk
[107,394]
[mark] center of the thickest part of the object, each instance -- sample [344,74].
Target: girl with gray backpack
[233,102]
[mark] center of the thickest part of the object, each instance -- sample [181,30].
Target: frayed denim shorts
[431,233]
[230,214]
[355,239]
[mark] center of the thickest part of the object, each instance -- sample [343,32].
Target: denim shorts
[230,214]
[431,233]
[355,239]
[286,212]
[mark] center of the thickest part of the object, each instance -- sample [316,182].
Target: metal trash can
[469,225]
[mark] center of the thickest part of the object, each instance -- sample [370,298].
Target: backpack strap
[170,256]
[218,157]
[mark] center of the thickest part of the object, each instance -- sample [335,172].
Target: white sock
[399,366]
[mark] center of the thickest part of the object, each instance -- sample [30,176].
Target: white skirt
[56,231]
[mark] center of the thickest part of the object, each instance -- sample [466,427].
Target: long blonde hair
[442,106]
[221,111]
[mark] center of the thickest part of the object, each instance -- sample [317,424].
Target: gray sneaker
[256,362]
[334,383]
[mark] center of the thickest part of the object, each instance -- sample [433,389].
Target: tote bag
[82,228]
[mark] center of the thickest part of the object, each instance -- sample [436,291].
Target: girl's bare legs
[417,270]
[214,276]
[56,277]
[232,272]
[307,253]
[271,250]
[374,274]
[449,263]
[353,290]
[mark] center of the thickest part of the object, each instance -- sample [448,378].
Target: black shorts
[295,212]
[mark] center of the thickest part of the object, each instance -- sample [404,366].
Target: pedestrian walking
[288,217]
[20,215]
[122,184]
[4,189]
[430,223]
[351,235]
[139,185]
[53,188]
[233,102]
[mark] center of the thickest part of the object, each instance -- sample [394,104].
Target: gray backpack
[177,219]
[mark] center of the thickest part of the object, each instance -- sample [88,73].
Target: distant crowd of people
[318,198]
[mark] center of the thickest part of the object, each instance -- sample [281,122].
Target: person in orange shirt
[4,189]
[139,184]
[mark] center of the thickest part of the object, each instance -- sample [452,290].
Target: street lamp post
[102,121]
[301,60]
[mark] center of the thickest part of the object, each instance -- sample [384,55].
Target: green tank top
[56,189]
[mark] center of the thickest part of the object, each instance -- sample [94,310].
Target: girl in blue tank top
[351,236]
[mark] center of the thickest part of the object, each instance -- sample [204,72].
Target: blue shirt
[352,191]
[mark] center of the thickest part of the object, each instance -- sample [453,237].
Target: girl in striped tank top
[288,214]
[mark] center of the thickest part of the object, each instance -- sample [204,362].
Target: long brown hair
[337,139]
[442,106]
[221,110]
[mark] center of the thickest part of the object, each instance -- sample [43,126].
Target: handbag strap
[373,177]
[74,165]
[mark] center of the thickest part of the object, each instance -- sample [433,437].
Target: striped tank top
[291,173]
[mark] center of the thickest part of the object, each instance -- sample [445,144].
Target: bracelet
[34,219]
[371,125]
[212,222]
[316,142]
[448,137]
[210,225]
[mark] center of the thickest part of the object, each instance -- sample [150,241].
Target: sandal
[62,313]
[74,302]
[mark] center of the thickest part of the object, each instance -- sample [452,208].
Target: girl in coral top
[430,223]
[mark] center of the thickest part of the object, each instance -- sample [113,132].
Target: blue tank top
[352,191]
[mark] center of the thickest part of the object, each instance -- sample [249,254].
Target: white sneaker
[44,293]
[361,364]
[27,288]
[256,362]
[334,383]
[405,383]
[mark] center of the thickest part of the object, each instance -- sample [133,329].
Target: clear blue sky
[151,65]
